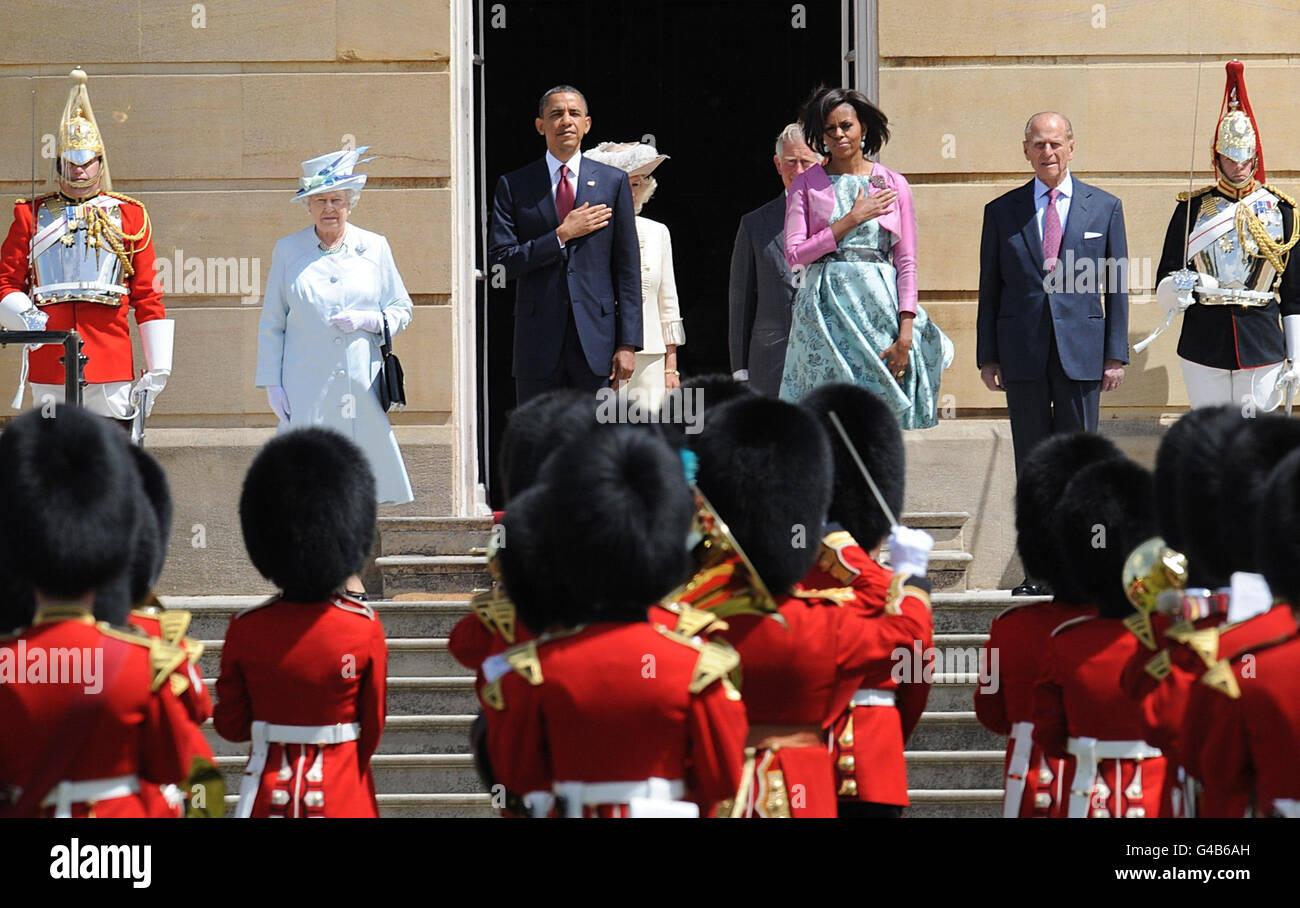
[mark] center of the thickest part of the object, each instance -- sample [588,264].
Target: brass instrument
[724,581]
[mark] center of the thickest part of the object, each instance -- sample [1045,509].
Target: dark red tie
[563,194]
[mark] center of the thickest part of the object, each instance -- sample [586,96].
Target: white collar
[553,163]
[1066,186]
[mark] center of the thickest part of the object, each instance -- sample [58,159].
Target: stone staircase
[423,767]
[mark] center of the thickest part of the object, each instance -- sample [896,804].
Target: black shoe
[1028,588]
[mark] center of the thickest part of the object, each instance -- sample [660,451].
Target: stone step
[407,618]
[454,773]
[948,571]
[428,656]
[433,535]
[413,535]
[938,804]
[407,574]
[948,769]
[945,731]
[407,657]
[972,611]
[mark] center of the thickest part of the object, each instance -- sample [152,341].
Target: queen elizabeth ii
[331,290]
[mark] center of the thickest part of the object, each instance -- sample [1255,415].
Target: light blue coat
[329,374]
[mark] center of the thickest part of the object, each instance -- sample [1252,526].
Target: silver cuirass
[1231,258]
[68,268]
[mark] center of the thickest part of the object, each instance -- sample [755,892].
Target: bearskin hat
[537,428]
[602,534]
[70,492]
[717,388]
[1105,511]
[151,555]
[17,604]
[1042,478]
[1277,530]
[1169,456]
[1252,454]
[875,433]
[308,512]
[1201,469]
[765,465]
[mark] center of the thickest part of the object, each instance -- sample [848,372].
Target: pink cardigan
[808,236]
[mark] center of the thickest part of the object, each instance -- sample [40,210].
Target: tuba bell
[723,581]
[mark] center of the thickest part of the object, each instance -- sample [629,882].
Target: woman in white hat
[331,289]
[661,319]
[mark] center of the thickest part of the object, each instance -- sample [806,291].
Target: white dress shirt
[1062,201]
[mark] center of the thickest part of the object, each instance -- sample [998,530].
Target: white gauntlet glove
[909,550]
[17,313]
[156,337]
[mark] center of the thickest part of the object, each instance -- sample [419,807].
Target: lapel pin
[591,182]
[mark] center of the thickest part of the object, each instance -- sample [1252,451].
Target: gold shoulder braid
[163,657]
[718,661]
[101,232]
[525,661]
[1274,252]
[1191,194]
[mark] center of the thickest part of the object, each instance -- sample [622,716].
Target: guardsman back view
[90,719]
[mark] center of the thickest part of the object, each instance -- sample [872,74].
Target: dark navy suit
[761,297]
[1052,340]
[573,305]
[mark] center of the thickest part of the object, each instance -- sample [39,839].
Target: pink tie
[564,196]
[1051,230]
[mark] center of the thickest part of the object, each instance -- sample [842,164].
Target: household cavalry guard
[1227,266]
[78,258]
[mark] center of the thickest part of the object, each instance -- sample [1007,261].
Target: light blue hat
[332,171]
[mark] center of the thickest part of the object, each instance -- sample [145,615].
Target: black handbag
[391,384]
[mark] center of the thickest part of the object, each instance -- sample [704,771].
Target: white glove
[279,402]
[156,337]
[17,313]
[358,320]
[1174,293]
[1291,327]
[909,550]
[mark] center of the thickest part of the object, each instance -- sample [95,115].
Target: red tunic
[1017,645]
[104,328]
[307,664]
[616,703]
[123,728]
[187,683]
[1223,794]
[1079,697]
[802,666]
[1252,747]
[869,741]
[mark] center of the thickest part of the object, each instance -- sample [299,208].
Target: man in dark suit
[761,292]
[1052,324]
[563,227]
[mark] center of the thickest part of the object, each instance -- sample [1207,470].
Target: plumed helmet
[765,466]
[308,512]
[1277,529]
[538,428]
[71,494]
[1105,512]
[602,534]
[875,433]
[1041,480]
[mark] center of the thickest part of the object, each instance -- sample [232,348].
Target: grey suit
[1052,341]
[760,296]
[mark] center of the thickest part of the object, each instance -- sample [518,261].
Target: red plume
[1237,80]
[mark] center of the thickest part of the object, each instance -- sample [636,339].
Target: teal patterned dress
[846,314]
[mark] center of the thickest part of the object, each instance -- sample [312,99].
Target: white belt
[868,696]
[1287,807]
[665,795]
[1022,746]
[65,794]
[265,734]
[1087,753]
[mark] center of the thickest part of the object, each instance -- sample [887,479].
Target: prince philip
[564,229]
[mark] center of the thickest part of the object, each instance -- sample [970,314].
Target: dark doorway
[712,81]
